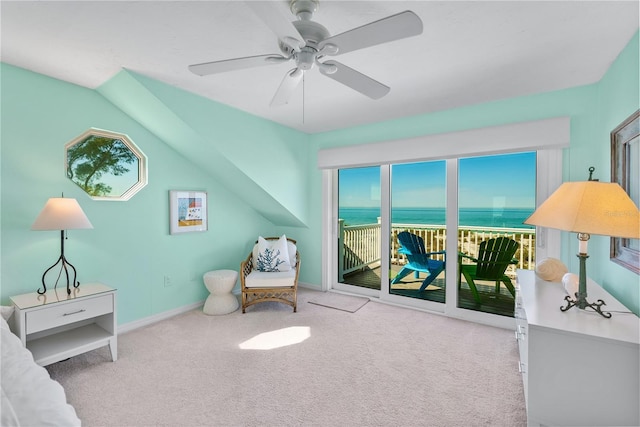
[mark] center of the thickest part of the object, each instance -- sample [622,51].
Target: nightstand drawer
[63,314]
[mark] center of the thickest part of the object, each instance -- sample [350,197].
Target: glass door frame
[548,171]
[546,137]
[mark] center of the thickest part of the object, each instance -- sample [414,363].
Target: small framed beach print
[188,211]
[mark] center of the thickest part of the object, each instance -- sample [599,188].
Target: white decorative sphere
[551,269]
[571,282]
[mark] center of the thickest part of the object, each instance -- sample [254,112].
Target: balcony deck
[360,254]
[501,304]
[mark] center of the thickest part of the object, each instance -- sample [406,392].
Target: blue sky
[502,181]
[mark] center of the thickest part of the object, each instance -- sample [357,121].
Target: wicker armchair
[259,286]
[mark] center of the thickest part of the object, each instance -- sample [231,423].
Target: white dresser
[578,368]
[55,326]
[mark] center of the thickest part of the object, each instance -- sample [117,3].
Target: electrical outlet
[167,281]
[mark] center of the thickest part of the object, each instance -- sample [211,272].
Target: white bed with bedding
[29,396]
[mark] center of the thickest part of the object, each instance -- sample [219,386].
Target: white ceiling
[470,51]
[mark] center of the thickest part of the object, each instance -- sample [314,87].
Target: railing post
[359,246]
[378,239]
[340,250]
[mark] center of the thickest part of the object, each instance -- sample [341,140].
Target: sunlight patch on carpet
[278,338]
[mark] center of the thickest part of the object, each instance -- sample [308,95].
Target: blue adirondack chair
[419,260]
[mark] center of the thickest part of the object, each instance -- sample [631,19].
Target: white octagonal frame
[142,162]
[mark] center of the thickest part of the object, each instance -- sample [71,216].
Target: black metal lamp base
[64,265]
[596,306]
[581,296]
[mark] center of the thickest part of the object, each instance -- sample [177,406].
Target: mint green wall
[130,247]
[594,111]
[618,97]
[274,156]
[264,163]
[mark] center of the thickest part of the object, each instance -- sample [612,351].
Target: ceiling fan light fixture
[305,58]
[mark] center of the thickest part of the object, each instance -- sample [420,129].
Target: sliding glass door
[392,224]
[418,230]
[359,246]
[495,195]
[497,172]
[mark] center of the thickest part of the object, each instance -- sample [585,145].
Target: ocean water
[509,218]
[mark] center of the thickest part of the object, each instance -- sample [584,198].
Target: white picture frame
[188,211]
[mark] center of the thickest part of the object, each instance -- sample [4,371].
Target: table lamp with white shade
[62,214]
[588,207]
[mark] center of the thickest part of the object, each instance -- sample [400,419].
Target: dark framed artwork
[625,170]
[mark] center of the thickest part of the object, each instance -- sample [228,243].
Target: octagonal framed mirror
[106,165]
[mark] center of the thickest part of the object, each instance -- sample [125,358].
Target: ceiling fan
[307,43]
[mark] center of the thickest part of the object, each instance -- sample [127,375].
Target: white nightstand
[55,326]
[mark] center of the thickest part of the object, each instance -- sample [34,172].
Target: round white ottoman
[220,283]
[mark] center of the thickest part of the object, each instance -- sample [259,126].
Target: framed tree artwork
[625,170]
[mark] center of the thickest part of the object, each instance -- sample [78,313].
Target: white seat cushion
[270,279]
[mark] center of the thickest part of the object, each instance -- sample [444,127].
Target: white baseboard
[157,317]
[310,286]
[127,327]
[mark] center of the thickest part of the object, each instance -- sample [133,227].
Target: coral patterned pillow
[273,255]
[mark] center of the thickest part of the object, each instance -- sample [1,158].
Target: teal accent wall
[130,247]
[263,163]
[594,111]
[618,97]
[261,178]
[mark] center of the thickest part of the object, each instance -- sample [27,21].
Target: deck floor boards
[501,304]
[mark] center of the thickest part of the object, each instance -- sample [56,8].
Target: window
[106,165]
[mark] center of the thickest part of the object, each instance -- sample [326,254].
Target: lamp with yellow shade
[588,207]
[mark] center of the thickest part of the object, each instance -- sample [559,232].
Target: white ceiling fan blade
[356,80]
[235,64]
[271,15]
[286,88]
[394,27]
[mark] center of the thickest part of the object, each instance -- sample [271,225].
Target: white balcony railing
[359,245]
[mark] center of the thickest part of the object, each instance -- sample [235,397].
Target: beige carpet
[380,366]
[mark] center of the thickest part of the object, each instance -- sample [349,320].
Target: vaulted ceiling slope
[216,138]
[470,52]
